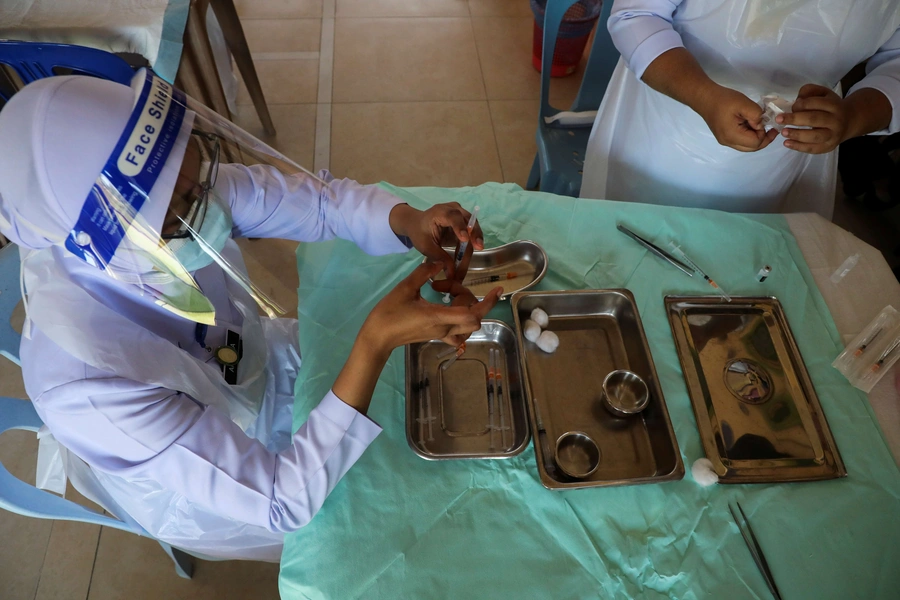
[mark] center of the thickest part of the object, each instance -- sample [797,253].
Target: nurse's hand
[734,119]
[463,296]
[439,226]
[831,119]
[404,317]
[822,111]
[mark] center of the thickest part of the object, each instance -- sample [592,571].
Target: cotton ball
[532,331]
[548,342]
[540,317]
[703,472]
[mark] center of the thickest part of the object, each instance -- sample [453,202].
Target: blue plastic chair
[24,499]
[35,60]
[558,166]
[16,495]
[10,295]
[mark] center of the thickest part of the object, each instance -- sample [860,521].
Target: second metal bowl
[624,393]
[577,455]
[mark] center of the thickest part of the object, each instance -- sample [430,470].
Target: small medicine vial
[763,273]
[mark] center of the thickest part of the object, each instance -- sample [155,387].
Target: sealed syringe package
[873,352]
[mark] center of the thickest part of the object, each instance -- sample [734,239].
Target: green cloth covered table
[399,527]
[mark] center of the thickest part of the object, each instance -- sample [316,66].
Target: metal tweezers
[653,248]
[755,550]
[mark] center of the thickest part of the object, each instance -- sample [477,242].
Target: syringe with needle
[490,278]
[679,253]
[463,245]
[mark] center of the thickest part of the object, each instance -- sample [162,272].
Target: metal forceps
[743,525]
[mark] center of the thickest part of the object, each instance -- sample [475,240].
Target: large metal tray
[524,258]
[599,331]
[756,408]
[460,425]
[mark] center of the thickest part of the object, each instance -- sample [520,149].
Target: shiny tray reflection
[460,416]
[525,259]
[599,331]
[756,408]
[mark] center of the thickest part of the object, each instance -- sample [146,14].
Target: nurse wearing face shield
[144,351]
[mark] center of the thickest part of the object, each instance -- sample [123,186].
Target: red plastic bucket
[574,32]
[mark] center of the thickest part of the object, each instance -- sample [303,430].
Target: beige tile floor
[415,92]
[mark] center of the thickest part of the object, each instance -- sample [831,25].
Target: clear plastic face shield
[161,208]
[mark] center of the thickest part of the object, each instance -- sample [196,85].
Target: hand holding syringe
[464,244]
[461,251]
[457,262]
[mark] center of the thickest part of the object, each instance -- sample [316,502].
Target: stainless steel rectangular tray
[756,408]
[450,416]
[599,331]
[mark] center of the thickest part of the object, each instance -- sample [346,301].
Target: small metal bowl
[624,393]
[577,455]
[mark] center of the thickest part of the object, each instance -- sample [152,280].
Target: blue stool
[559,163]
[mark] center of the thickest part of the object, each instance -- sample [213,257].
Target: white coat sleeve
[136,431]
[642,30]
[267,204]
[883,74]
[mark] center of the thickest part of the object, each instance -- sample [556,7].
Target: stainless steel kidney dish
[516,267]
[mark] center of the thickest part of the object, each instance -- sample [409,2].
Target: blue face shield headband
[128,178]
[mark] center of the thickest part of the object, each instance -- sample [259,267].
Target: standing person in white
[680,123]
[143,350]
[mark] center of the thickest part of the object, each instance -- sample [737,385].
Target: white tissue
[540,317]
[548,342]
[703,472]
[532,331]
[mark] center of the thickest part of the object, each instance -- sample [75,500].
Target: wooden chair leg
[230,23]
[197,73]
[197,46]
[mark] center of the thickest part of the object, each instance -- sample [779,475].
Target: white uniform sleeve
[883,74]
[642,30]
[136,431]
[267,204]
